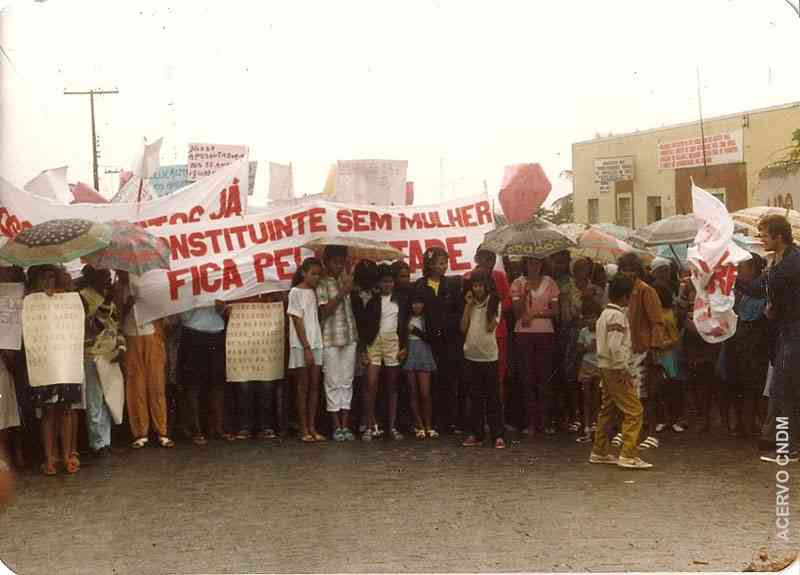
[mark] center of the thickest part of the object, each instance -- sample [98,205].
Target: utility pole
[91,94]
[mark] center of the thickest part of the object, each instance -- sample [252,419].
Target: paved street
[409,506]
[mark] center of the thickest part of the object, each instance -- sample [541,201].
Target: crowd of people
[539,345]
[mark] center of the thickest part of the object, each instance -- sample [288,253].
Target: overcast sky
[481,84]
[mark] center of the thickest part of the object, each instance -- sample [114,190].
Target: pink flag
[86,194]
[525,188]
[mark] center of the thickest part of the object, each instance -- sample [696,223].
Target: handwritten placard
[52,327]
[254,344]
[11,315]
[205,159]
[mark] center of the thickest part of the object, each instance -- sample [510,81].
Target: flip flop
[308,438]
[318,436]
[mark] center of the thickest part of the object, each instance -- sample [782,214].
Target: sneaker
[574,427]
[528,431]
[499,443]
[585,438]
[607,459]
[617,440]
[678,428]
[471,441]
[377,432]
[348,435]
[510,428]
[433,434]
[366,436]
[661,427]
[633,463]
[362,428]
[396,435]
[338,435]
[549,430]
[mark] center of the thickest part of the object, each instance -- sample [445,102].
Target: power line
[91,94]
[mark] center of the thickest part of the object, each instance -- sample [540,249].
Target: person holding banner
[339,339]
[305,346]
[55,401]
[443,309]
[201,361]
[145,363]
[103,342]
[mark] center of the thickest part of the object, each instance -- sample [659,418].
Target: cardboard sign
[254,343]
[11,315]
[376,182]
[53,330]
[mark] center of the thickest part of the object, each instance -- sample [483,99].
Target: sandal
[307,438]
[48,469]
[433,434]
[266,434]
[166,442]
[318,436]
[199,440]
[649,443]
[139,443]
[71,466]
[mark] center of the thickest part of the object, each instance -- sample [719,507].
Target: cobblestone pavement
[407,506]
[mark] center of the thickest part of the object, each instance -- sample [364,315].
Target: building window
[624,211]
[653,209]
[594,211]
[720,194]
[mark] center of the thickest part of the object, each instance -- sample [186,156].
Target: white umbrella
[358,248]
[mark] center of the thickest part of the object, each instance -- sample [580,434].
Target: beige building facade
[635,179]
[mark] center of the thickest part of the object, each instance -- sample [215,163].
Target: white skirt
[9,411]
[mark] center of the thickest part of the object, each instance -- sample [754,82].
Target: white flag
[712,260]
[146,161]
[281,182]
[51,184]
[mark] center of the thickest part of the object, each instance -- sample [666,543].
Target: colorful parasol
[358,248]
[56,241]
[536,237]
[132,249]
[602,247]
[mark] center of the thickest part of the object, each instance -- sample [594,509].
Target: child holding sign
[305,341]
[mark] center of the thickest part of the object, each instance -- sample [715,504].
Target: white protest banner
[254,342]
[206,159]
[377,182]
[217,197]
[713,260]
[11,315]
[239,258]
[53,330]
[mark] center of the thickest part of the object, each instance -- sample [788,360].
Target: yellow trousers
[145,380]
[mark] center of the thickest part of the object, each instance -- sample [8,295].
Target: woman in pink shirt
[535,301]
